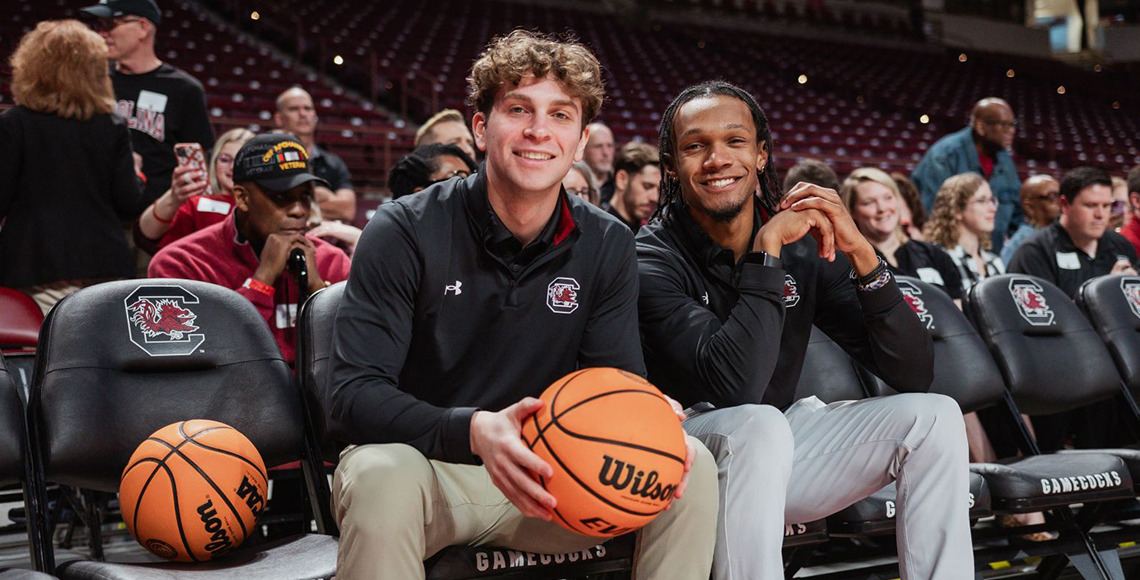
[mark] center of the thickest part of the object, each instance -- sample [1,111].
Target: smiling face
[224,166]
[717,156]
[531,136]
[876,210]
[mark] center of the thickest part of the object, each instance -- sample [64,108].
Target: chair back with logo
[120,360]
[1049,355]
[1112,304]
[828,372]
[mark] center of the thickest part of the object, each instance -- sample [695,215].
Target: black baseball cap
[116,8]
[274,161]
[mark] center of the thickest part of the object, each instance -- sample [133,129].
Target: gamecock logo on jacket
[1030,300]
[161,322]
[913,297]
[1131,288]
[562,295]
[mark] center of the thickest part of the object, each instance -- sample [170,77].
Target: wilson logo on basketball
[253,498]
[161,322]
[220,541]
[618,475]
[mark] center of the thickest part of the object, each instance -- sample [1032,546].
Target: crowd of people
[691,262]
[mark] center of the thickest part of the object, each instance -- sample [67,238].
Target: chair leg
[93,504]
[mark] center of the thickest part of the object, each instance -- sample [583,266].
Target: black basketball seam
[554,421]
[583,485]
[161,462]
[142,492]
[178,515]
[246,460]
[221,494]
[542,480]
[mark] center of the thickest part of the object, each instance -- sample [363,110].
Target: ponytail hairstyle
[770,192]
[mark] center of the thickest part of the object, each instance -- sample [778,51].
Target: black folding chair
[120,360]
[316,339]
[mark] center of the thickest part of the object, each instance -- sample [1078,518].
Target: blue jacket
[954,154]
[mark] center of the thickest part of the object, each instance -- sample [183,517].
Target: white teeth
[535,156]
[722,182]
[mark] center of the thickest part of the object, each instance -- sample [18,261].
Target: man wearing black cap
[162,104]
[249,252]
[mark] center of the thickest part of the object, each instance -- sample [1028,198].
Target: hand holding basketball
[514,469]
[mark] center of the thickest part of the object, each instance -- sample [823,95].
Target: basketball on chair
[192,491]
[616,447]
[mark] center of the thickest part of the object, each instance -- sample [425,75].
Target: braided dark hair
[770,191]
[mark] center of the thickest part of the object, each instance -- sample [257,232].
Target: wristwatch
[765,259]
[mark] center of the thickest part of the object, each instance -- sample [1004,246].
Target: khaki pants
[396,508]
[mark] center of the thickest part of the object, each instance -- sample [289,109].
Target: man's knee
[702,488]
[385,477]
[758,433]
[939,415]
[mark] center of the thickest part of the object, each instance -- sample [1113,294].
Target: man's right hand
[496,439]
[788,226]
[275,254]
[186,182]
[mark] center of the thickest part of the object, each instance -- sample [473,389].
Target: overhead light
[802,80]
[924,119]
[1061,90]
[962,57]
[254,15]
[1009,74]
[338,60]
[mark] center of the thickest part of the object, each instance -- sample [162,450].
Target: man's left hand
[690,452]
[848,239]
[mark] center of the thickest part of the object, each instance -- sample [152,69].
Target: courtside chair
[316,337]
[119,360]
[1051,361]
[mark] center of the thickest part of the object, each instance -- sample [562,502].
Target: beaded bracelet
[875,279]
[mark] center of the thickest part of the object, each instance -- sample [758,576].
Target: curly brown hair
[507,59]
[60,68]
[942,226]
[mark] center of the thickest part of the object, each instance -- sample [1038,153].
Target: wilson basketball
[616,447]
[192,491]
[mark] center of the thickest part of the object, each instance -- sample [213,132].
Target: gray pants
[815,459]
[396,508]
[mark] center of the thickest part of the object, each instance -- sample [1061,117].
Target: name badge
[151,101]
[1068,261]
[931,276]
[286,315]
[208,205]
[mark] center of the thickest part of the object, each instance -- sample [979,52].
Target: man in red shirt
[249,251]
[1131,230]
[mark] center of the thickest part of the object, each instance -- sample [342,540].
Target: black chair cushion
[1131,458]
[828,372]
[21,574]
[876,513]
[11,429]
[119,360]
[805,534]
[1044,481]
[487,562]
[1050,356]
[1112,304]
[316,330]
[298,558]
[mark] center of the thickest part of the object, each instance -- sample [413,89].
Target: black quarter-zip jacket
[442,316]
[729,333]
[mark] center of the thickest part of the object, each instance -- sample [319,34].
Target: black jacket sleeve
[370,344]
[126,188]
[732,362]
[11,159]
[611,338]
[876,328]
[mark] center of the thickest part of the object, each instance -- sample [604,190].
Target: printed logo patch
[562,295]
[1131,289]
[1030,300]
[791,291]
[913,297]
[161,322]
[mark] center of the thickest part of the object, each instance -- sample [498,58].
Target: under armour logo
[706,298]
[456,288]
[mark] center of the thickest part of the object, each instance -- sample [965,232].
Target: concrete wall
[990,35]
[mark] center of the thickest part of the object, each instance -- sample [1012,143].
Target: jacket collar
[490,228]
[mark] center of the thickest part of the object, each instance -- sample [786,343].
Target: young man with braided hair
[431,374]
[732,278]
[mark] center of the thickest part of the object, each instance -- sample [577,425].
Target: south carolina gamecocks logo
[1130,286]
[1030,300]
[562,295]
[161,322]
[913,297]
[791,291]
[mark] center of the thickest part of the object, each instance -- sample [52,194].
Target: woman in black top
[67,177]
[875,204]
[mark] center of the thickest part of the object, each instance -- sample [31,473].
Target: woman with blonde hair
[67,177]
[961,221]
[195,199]
[875,204]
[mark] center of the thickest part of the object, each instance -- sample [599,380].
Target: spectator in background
[875,204]
[1039,195]
[335,195]
[163,105]
[427,165]
[961,222]
[1121,211]
[637,182]
[273,197]
[981,148]
[579,181]
[913,216]
[194,200]
[599,155]
[67,178]
[447,127]
[811,171]
[1079,246]
[1131,230]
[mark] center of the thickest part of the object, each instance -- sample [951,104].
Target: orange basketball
[616,447]
[193,490]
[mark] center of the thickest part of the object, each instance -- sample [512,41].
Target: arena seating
[96,395]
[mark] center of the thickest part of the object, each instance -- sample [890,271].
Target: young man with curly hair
[445,336]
